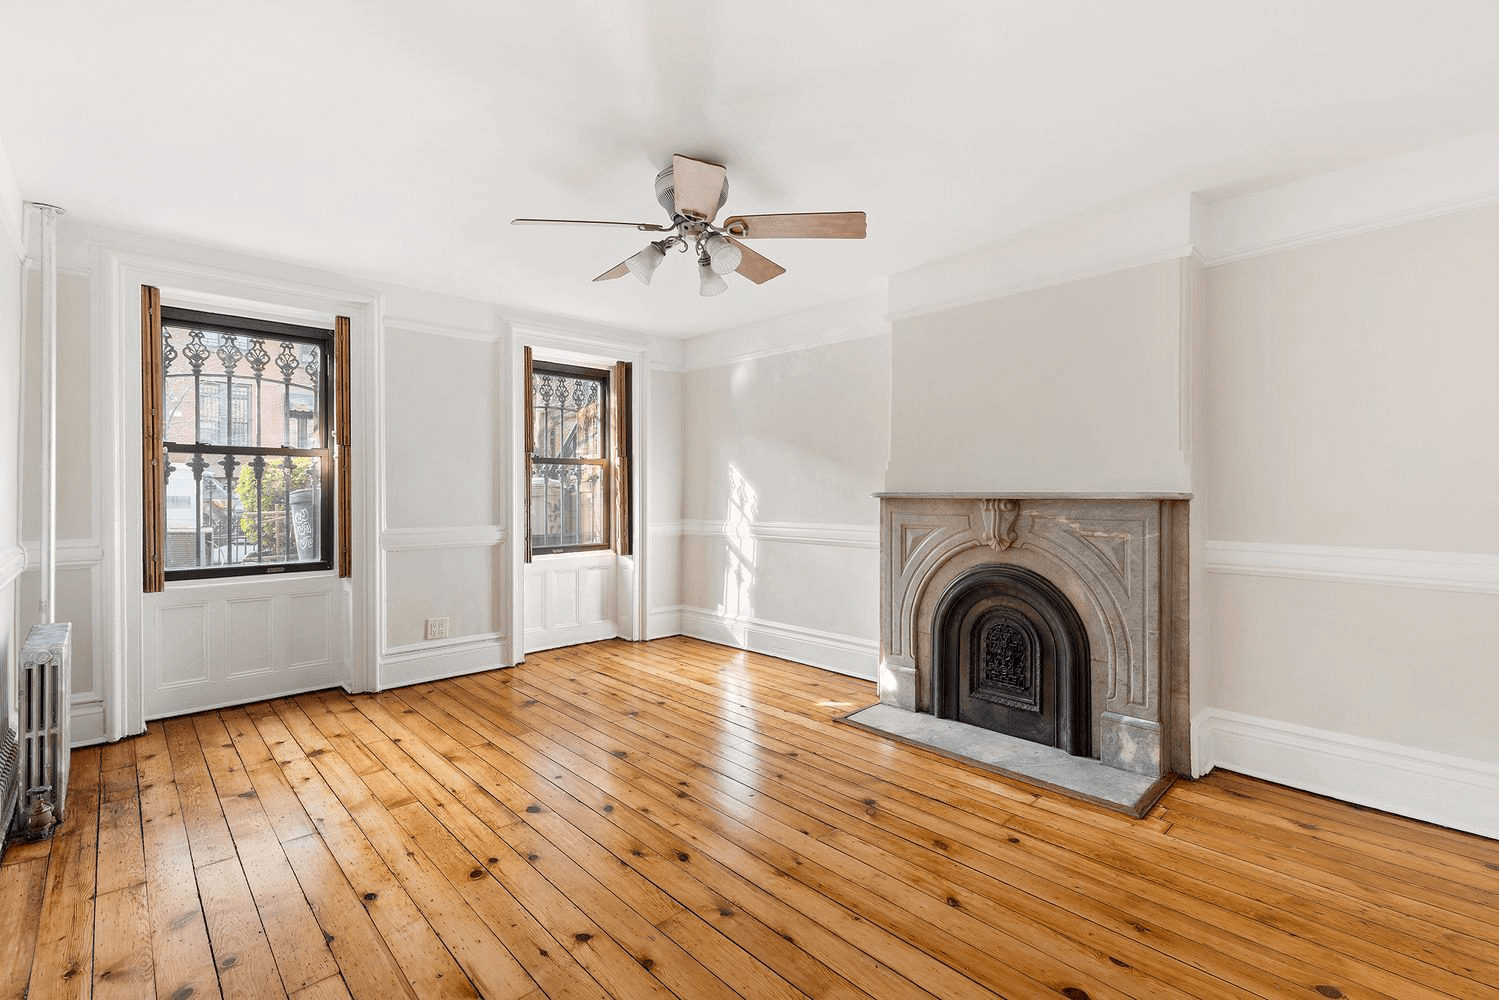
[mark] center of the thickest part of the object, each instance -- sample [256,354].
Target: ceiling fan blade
[755,267]
[617,271]
[807,225]
[644,227]
[699,186]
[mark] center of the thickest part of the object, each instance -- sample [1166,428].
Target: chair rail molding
[1469,572]
[854,536]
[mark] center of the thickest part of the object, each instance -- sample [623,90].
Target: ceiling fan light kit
[692,192]
[710,282]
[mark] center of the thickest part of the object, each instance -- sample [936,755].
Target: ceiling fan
[692,192]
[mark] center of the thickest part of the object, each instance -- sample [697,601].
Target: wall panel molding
[840,653]
[1453,571]
[1451,791]
[13,562]
[855,536]
[406,539]
[70,552]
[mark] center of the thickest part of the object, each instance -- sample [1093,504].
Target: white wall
[1353,451]
[782,450]
[12,557]
[1075,387]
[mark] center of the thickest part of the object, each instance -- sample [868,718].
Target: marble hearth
[1119,559]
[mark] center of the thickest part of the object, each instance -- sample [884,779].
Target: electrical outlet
[437,628]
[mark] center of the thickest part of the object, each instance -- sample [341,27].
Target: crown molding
[412,324]
[819,326]
[1420,184]
[1114,237]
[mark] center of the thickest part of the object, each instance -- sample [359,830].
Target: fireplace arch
[1010,653]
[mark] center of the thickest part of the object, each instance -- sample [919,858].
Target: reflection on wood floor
[678,819]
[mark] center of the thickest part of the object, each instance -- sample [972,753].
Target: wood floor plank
[122,855]
[64,959]
[182,957]
[21,888]
[301,954]
[241,951]
[207,833]
[369,969]
[679,821]
[419,952]
[332,988]
[123,966]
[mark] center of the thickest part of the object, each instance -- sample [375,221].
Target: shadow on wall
[738,605]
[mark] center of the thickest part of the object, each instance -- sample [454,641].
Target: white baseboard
[538,639]
[662,622]
[86,723]
[1450,791]
[843,654]
[449,660]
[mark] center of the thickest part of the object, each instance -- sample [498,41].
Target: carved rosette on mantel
[1120,559]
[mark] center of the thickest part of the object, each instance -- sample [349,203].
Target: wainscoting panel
[250,635]
[569,599]
[181,645]
[224,643]
[307,632]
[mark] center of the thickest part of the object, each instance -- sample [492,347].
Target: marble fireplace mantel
[1120,558]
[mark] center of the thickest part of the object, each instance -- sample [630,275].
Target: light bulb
[709,282]
[644,263]
[725,256]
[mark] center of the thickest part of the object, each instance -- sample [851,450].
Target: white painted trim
[437,664]
[819,326]
[12,564]
[12,208]
[538,639]
[70,552]
[434,647]
[1456,571]
[404,539]
[1420,184]
[410,324]
[263,288]
[86,720]
[854,536]
[324,683]
[843,654]
[662,622]
[1456,792]
[1115,237]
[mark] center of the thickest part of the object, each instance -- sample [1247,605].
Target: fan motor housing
[666,192]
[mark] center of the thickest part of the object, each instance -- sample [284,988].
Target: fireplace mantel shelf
[1029,496]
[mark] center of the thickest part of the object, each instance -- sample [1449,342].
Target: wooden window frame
[333,419]
[603,463]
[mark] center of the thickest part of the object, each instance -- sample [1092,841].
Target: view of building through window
[569,460]
[244,420]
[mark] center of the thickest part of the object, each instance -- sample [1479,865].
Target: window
[569,500]
[247,469]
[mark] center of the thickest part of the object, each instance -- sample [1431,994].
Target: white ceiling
[396,140]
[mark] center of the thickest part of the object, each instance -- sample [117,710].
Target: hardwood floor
[677,819]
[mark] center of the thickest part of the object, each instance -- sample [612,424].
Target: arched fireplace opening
[1010,654]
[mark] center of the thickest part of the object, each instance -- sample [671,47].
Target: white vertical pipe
[49,214]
